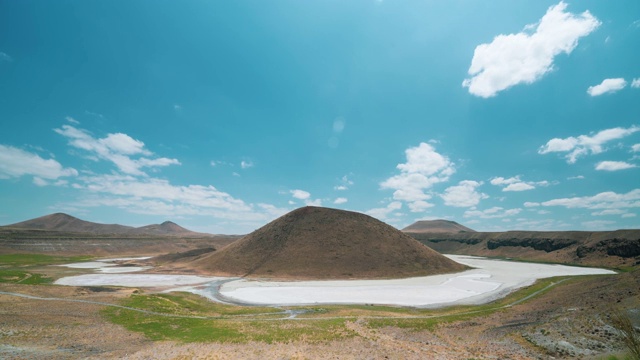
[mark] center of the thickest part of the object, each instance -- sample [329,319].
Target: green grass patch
[38,259]
[12,276]
[226,323]
[181,303]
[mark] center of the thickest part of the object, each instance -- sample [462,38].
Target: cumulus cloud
[383,213]
[419,206]
[515,184]
[246,164]
[464,194]
[492,213]
[607,86]
[614,165]
[424,168]
[635,148]
[306,197]
[117,148]
[635,83]
[15,162]
[585,144]
[527,56]
[340,200]
[300,194]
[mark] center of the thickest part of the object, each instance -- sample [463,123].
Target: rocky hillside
[599,248]
[322,243]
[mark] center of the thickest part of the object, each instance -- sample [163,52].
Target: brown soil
[322,243]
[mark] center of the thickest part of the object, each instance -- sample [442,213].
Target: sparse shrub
[630,336]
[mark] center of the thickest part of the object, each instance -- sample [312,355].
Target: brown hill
[436,226]
[166,228]
[64,222]
[322,243]
[68,223]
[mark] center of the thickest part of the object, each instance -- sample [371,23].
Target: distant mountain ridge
[68,223]
[436,226]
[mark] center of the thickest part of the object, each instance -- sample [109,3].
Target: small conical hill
[322,243]
[436,226]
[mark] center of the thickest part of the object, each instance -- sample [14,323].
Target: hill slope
[67,223]
[322,243]
[64,222]
[436,226]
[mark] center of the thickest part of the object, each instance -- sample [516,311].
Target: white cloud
[492,213]
[306,197]
[607,86]
[464,194]
[72,120]
[154,196]
[300,194]
[519,187]
[383,213]
[604,200]
[38,181]
[345,183]
[635,83]
[340,200]
[124,144]
[516,184]
[531,204]
[628,215]
[635,148]
[584,144]
[527,56]
[424,168]
[246,164]
[316,202]
[614,165]
[579,177]
[117,148]
[609,212]
[16,162]
[419,206]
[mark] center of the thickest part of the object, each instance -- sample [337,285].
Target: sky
[223,115]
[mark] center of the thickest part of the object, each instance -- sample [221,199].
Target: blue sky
[223,115]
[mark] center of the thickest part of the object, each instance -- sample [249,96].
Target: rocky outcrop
[544,244]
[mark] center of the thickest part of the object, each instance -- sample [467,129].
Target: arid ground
[563,318]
